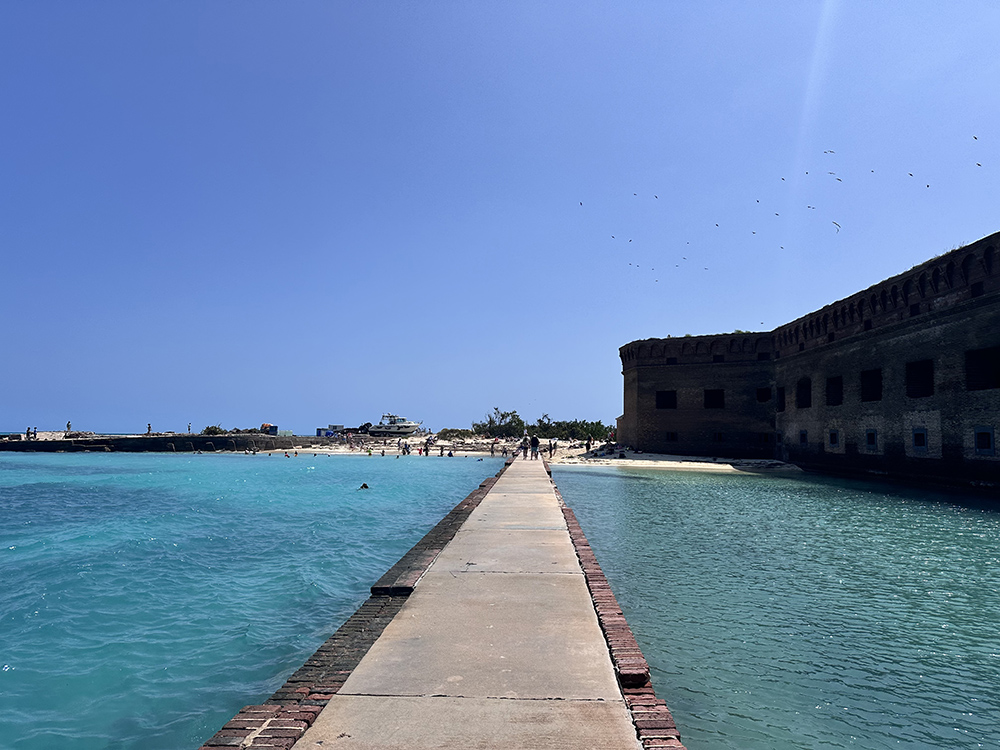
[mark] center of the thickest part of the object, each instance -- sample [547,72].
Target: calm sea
[805,613]
[144,599]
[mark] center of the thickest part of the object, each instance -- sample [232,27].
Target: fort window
[868,324]
[764,437]
[907,290]
[715,398]
[803,437]
[922,285]
[976,290]
[968,264]
[835,390]
[671,360]
[718,437]
[985,445]
[666,399]
[871,385]
[830,336]
[802,347]
[949,274]
[935,279]
[919,439]
[803,394]
[763,395]
[988,260]
[670,437]
[894,296]
[884,300]
[871,440]
[834,438]
[982,369]
[761,356]
[718,357]
[780,399]
[914,309]
[920,378]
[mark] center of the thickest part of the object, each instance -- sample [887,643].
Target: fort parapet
[902,378]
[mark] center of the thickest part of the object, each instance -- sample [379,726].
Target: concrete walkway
[498,646]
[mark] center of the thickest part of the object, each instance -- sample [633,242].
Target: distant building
[901,378]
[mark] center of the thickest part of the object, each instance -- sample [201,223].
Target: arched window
[884,300]
[873,303]
[894,295]
[988,257]
[968,265]
[907,290]
[826,322]
[936,279]
[922,285]
[949,274]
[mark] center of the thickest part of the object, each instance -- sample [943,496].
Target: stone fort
[901,379]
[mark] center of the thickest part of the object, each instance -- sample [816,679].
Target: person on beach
[68,425]
[534,447]
[149,428]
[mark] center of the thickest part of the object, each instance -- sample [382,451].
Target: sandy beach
[567,453]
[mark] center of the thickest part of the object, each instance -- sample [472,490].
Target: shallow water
[803,612]
[147,598]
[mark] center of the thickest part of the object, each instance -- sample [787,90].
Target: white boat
[393,425]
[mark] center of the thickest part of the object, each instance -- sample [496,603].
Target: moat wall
[178,443]
[902,378]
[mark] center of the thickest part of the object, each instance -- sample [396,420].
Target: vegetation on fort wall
[214,429]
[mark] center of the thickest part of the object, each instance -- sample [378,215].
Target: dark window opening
[715,398]
[803,394]
[763,395]
[920,378]
[671,360]
[982,369]
[915,310]
[763,437]
[761,356]
[666,399]
[920,439]
[834,438]
[868,325]
[718,357]
[780,398]
[830,336]
[803,437]
[976,290]
[871,385]
[871,439]
[802,347]
[984,441]
[835,390]
[718,437]
[670,437]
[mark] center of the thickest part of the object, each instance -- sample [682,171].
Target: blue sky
[314,212]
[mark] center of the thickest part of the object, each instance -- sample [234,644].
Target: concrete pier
[498,630]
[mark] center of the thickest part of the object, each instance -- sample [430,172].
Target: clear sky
[315,212]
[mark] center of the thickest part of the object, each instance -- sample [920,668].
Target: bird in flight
[838,227]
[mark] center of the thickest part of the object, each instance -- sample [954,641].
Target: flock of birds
[835,225]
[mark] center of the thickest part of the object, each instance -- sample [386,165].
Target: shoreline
[567,453]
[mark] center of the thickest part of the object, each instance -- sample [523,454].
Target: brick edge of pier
[282,720]
[654,724]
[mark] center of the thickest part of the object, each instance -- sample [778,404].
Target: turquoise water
[147,598]
[806,613]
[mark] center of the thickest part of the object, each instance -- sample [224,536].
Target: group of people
[534,444]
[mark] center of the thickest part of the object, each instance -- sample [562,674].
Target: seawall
[574,678]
